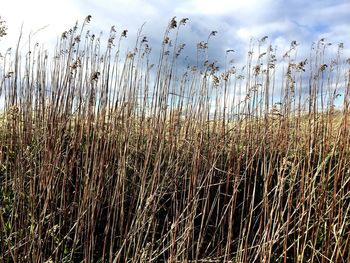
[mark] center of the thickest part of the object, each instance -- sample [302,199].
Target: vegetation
[105,157]
[3,28]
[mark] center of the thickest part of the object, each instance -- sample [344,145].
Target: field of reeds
[106,156]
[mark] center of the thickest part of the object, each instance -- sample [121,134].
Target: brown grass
[99,163]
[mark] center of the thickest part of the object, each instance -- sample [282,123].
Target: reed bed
[105,157]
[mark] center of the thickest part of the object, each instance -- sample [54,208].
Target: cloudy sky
[236,21]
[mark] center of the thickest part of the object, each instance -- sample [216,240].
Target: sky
[237,22]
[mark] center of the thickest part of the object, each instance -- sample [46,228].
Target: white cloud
[220,7]
[48,19]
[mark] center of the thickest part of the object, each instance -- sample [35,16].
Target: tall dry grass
[106,159]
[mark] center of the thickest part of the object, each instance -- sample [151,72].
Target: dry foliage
[104,159]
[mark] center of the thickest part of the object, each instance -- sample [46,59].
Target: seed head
[183,21]
[77,39]
[262,54]
[88,19]
[264,39]
[323,67]
[293,44]
[202,45]
[173,23]
[213,33]
[124,33]
[216,81]
[95,76]
[64,35]
[166,40]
